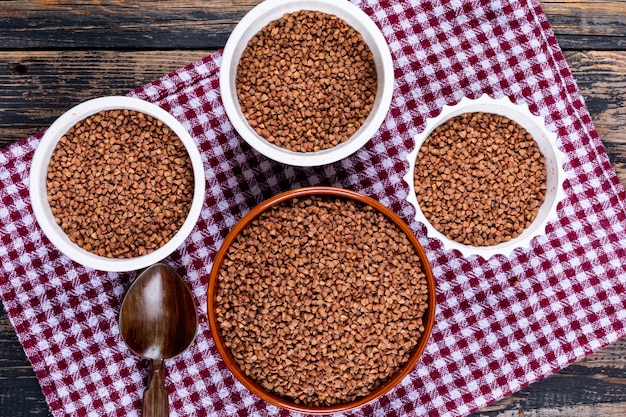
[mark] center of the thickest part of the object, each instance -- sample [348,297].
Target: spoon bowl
[158,320]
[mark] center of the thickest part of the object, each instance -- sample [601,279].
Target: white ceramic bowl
[39,196]
[271,10]
[546,140]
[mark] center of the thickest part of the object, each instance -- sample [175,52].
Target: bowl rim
[521,114]
[38,187]
[254,387]
[241,35]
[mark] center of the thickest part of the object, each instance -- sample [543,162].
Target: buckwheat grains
[120,183]
[480,179]
[307,81]
[320,300]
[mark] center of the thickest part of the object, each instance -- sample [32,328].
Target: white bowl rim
[327,156]
[505,107]
[38,187]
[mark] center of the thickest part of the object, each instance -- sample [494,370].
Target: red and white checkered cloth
[500,324]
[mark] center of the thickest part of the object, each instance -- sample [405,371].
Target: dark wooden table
[54,55]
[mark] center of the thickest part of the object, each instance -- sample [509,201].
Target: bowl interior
[228,358]
[271,10]
[39,194]
[546,141]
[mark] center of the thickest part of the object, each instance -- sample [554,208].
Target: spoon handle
[155,401]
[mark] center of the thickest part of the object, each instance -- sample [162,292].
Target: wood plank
[587,24]
[17,378]
[119,25]
[601,77]
[37,88]
[594,386]
[583,24]
[588,410]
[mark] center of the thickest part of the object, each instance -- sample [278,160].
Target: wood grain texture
[136,25]
[594,386]
[57,53]
[587,24]
[601,77]
[206,24]
[20,393]
[38,87]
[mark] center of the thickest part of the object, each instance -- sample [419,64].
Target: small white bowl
[39,194]
[546,140]
[270,10]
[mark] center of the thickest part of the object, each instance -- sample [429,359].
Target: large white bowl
[39,195]
[547,142]
[270,10]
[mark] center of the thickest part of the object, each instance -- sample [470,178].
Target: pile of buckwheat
[321,300]
[307,81]
[120,183]
[480,179]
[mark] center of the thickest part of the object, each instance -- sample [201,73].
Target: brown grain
[321,300]
[307,81]
[480,179]
[120,183]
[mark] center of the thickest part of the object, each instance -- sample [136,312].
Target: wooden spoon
[158,320]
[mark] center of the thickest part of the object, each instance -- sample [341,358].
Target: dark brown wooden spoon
[158,320]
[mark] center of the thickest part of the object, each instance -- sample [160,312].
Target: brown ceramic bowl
[256,388]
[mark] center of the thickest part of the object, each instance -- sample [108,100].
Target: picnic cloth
[501,323]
